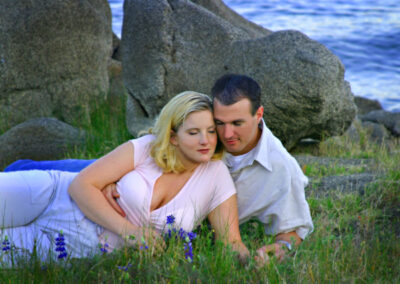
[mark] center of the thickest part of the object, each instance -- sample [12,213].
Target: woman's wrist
[129,231]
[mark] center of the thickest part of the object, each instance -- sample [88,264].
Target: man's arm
[285,242]
[292,238]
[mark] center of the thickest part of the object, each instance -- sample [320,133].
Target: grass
[356,237]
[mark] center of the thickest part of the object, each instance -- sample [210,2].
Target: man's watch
[287,244]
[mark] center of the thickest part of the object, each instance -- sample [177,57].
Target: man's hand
[265,253]
[111,194]
[277,250]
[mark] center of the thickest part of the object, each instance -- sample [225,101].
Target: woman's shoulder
[142,146]
[142,142]
[143,139]
[215,167]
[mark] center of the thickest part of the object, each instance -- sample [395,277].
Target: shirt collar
[258,153]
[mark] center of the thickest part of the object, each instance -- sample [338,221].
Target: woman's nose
[203,139]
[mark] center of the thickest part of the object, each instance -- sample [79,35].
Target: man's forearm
[291,237]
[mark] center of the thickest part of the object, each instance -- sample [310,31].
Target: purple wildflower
[60,246]
[182,234]
[6,244]
[170,219]
[124,268]
[192,235]
[104,248]
[188,251]
[144,246]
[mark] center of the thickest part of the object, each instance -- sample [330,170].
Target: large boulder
[391,120]
[54,58]
[177,45]
[117,91]
[365,105]
[42,138]
[220,9]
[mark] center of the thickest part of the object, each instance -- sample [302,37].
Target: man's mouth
[231,141]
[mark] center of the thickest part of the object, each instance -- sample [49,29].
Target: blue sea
[364,34]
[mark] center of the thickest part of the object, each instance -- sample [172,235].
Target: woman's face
[196,139]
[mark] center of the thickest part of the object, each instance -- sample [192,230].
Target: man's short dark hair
[231,88]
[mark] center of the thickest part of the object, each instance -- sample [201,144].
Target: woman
[173,171]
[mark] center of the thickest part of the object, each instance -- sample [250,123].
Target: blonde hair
[171,117]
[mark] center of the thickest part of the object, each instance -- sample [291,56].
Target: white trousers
[34,208]
[24,196]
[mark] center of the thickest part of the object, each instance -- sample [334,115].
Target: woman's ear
[173,139]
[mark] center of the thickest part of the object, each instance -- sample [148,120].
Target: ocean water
[364,34]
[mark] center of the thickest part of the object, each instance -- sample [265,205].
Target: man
[269,181]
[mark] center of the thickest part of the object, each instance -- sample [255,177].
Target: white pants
[35,207]
[24,196]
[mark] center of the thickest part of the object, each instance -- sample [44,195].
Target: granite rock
[172,46]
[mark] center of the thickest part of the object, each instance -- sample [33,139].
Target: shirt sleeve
[141,147]
[290,211]
[223,186]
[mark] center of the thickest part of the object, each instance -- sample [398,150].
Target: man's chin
[232,149]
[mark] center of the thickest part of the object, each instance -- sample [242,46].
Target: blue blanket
[69,165]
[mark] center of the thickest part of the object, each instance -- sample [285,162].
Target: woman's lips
[204,151]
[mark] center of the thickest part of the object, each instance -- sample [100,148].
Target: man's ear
[259,113]
[173,139]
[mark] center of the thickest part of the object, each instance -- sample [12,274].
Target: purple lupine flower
[192,235]
[62,255]
[60,246]
[144,246]
[182,234]
[5,244]
[188,251]
[104,248]
[170,219]
[124,268]
[170,232]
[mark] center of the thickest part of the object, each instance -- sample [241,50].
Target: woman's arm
[225,221]
[85,190]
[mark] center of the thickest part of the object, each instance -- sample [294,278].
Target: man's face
[236,126]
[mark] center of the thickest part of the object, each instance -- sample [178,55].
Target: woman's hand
[111,194]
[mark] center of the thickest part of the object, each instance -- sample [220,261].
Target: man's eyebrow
[233,121]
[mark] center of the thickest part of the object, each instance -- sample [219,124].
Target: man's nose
[228,131]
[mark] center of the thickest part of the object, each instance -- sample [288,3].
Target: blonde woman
[174,170]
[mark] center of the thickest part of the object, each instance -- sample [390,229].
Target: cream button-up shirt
[270,187]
